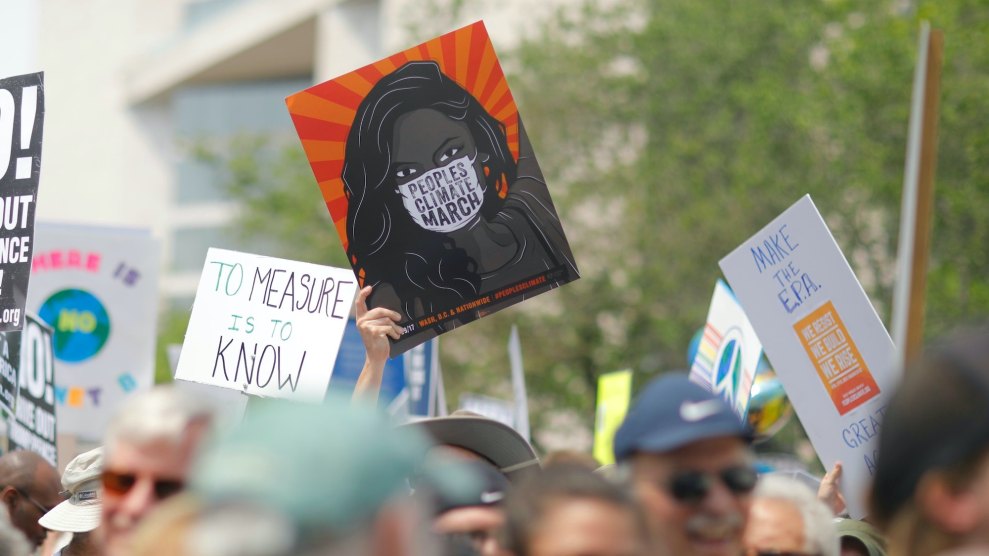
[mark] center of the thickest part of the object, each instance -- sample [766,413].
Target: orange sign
[836,358]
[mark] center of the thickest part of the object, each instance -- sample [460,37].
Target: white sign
[729,351]
[266,326]
[823,337]
[98,290]
[492,408]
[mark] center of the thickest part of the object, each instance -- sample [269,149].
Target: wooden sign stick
[918,199]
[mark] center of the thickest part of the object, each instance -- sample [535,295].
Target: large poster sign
[825,340]
[98,289]
[729,351]
[22,114]
[33,424]
[432,184]
[268,327]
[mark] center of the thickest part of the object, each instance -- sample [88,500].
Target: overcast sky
[18,37]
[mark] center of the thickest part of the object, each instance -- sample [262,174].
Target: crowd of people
[341,478]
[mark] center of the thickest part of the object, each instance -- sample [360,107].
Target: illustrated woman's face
[435,172]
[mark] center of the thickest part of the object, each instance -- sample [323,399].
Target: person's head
[474,437]
[570,458]
[325,477]
[858,538]
[12,540]
[29,488]
[930,488]
[148,451]
[81,482]
[787,518]
[469,517]
[570,511]
[690,465]
[414,127]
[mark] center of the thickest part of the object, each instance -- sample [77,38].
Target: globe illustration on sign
[80,322]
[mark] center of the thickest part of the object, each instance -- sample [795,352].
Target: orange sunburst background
[323,114]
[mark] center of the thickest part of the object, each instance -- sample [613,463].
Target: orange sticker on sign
[836,358]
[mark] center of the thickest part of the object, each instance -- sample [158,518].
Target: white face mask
[444,199]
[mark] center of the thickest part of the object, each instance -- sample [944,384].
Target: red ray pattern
[324,113]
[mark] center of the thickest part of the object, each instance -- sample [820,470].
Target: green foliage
[281,211]
[669,132]
[170,332]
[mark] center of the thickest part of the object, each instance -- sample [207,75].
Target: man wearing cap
[29,487]
[80,514]
[690,465]
[471,517]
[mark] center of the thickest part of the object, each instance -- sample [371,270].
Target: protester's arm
[829,491]
[376,326]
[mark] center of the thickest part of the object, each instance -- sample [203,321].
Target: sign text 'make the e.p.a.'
[823,337]
[266,326]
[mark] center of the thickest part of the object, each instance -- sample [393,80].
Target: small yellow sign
[614,394]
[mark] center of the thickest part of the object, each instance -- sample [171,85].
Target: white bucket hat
[81,481]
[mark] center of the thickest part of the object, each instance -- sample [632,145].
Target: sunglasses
[41,507]
[118,483]
[691,487]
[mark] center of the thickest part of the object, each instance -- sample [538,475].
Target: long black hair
[380,233]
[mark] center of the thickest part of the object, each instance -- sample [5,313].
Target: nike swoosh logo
[695,411]
[491,497]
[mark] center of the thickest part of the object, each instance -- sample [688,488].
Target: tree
[669,132]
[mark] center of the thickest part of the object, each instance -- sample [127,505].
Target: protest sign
[22,114]
[9,380]
[823,337]
[350,361]
[98,289]
[422,378]
[409,379]
[492,408]
[614,394]
[266,326]
[432,184]
[729,351]
[228,405]
[518,383]
[32,426]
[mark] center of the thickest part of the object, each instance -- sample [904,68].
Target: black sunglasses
[41,507]
[120,484]
[691,487]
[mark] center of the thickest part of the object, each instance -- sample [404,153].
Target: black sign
[22,112]
[33,426]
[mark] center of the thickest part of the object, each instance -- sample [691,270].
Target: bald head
[29,488]
[20,467]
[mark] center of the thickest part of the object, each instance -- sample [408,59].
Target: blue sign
[420,379]
[350,361]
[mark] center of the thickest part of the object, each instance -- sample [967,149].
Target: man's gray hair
[162,414]
[820,536]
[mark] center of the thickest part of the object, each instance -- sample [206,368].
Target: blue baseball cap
[672,412]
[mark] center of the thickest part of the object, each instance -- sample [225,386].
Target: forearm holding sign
[375,326]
